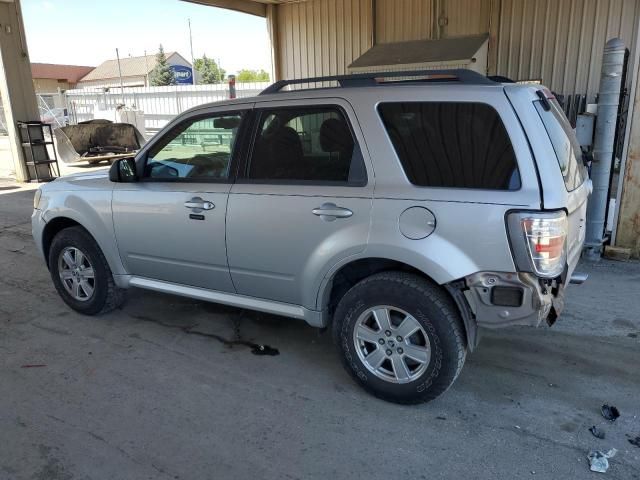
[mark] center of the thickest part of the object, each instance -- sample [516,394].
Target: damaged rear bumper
[499,299]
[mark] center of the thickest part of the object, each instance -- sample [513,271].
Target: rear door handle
[197,204]
[330,211]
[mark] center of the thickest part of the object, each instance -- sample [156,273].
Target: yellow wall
[48,85]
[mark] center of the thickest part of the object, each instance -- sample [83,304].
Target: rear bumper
[500,299]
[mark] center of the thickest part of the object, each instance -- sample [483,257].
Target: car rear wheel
[81,274]
[400,336]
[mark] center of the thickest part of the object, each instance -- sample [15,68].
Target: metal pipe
[634,68]
[120,74]
[603,145]
[193,64]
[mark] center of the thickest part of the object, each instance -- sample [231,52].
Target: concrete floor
[129,395]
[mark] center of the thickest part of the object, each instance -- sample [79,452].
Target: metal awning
[253,7]
[421,51]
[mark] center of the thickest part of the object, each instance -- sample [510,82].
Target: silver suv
[403,212]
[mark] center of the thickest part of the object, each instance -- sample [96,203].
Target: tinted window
[305,145]
[455,145]
[565,144]
[197,150]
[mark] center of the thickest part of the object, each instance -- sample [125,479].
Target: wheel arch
[352,272]
[63,221]
[51,229]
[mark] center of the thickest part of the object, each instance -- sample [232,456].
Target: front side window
[306,145]
[452,145]
[199,150]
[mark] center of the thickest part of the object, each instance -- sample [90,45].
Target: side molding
[312,317]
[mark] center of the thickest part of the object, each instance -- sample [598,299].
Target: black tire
[106,295]
[436,313]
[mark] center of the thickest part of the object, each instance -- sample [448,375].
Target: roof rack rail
[468,77]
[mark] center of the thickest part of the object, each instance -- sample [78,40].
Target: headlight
[36,198]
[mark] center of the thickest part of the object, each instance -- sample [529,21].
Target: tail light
[539,242]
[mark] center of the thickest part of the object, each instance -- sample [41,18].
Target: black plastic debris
[264,350]
[634,441]
[597,432]
[610,412]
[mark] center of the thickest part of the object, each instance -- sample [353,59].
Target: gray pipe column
[603,147]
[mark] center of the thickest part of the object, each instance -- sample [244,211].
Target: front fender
[92,210]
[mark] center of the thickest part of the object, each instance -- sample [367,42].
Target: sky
[87,32]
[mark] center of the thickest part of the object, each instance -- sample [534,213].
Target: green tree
[246,75]
[162,74]
[210,71]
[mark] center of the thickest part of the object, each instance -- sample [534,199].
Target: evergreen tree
[162,74]
[210,71]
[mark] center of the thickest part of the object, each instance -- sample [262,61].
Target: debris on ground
[610,412]
[261,349]
[634,441]
[597,432]
[599,461]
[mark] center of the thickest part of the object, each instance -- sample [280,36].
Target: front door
[170,225]
[302,202]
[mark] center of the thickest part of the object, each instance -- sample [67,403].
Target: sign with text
[184,75]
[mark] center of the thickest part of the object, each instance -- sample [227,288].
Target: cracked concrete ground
[131,395]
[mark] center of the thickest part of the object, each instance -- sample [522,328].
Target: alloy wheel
[76,273]
[392,344]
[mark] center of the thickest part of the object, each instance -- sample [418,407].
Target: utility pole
[146,69]
[193,67]
[120,74]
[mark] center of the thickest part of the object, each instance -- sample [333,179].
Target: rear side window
[306,145]
[564,143]
[453,145]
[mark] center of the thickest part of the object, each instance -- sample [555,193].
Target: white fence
[159,104]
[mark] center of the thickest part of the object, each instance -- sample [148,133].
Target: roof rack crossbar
[468,77]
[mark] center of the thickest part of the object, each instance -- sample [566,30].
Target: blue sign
[184,75]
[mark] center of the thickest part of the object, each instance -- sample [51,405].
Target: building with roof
[49,78]
[135,71]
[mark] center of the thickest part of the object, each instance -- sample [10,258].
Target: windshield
[565,144]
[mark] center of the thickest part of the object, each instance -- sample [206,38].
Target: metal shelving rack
[40,165]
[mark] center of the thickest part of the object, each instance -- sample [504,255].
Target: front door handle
[330,211]
[197,204]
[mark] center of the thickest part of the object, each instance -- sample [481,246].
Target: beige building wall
[49,85]
[134,81]
[559,42]
[321,37]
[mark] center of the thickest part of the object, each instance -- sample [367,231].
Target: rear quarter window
[452,145]
[565,144]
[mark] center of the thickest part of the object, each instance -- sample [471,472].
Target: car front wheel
[400,337]
[81,274]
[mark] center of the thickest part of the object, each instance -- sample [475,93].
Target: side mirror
[123,170]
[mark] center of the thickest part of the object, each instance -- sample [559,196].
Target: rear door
[302,202]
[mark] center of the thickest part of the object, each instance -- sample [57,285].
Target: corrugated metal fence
[159,104]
